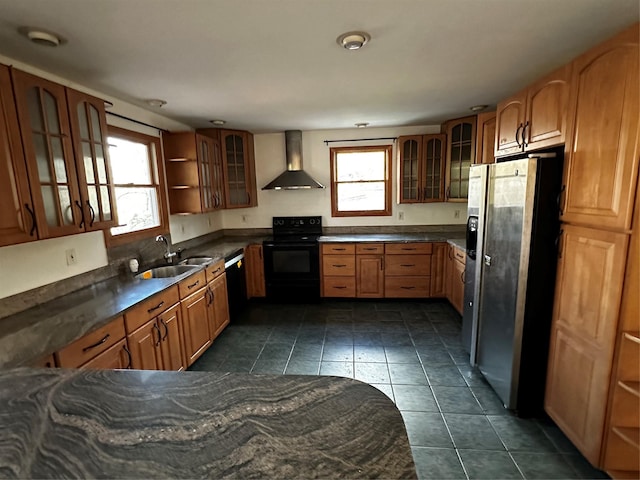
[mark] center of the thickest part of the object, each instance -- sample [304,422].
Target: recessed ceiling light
[362,125]
[353,40]
[478,108]
[218,122]
[42,37]
[156,102]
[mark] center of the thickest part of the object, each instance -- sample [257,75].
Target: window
[360,183]
[138,179]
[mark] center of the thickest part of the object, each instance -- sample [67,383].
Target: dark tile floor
[411,351]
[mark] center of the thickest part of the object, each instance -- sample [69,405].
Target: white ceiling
[272,65]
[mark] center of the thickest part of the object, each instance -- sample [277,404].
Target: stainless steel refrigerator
[512,296]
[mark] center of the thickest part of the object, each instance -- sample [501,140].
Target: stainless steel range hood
[294,177]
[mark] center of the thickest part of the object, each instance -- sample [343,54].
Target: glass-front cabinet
[238,169]
[46,135]
[421,162]
[89,132]
[461,140]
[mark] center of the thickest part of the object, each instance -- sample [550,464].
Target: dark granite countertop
[31,334]
[396,237]
[147,424]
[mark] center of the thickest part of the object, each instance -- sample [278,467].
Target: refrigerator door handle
[487,260]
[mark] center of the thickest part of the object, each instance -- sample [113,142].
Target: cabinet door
[205,172]
[601,153]
[583,331]
[486,138]
[89,132]
[457,286]
[547,100]
[116,357]
[236,171]
[219,305]
[173,357]
[438,263]
[510,116]
[410,158]
[219,200]
[369,276]
[144,345]
[17,221]
[195,325]
[461,135]
[432,173]
[46,138]
[254,271]
[448,272]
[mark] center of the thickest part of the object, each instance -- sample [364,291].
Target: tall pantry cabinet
[590,333]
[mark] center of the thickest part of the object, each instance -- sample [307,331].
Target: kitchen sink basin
[166,272]
[197,261]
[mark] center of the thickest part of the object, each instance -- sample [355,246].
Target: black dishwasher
[236,283]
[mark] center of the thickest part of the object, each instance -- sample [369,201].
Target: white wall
[270,162]
[33,264]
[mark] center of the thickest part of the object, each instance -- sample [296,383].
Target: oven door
[292,270]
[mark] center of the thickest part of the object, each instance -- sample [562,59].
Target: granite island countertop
[148,424]
[29,335]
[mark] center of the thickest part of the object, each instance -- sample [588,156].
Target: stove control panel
[288,225]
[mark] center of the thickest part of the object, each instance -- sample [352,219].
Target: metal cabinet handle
[369,248]
[524,135]
[339,266]
[560,200]
[33,219]
[408,288]
[407,264]
[408,249]
[339,287]
[79,205]
[93,214]
[209,295]
[166,329]
[155,326]
[156,307]
[517,133]
[98,343]
[193,284]
[128,355]
[338,249]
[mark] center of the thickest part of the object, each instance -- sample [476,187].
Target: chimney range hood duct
[293,178]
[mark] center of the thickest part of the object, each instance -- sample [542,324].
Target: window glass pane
[129,162]
[356,166]
[106,204]
[51,109]
[361,196]
[65,205]
[49,200]
[82,120]
[58,160]
[93,201]
[95,124]
[88,162]
[137,209]
[100,161]
[42,157]
[35,114]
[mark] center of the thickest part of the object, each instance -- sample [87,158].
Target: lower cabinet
[438,269]
[157,344]
[407,270]
[454,263]
[197,334]
[338,270]
[254,271]
[369,270]
[218,306]
[114,358]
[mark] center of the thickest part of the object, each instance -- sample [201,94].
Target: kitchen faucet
[168,256]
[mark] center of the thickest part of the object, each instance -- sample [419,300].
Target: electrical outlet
[72,259]
[456,214]
[400,215]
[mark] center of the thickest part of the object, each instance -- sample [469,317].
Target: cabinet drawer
[369,248]
[192,284]
[341,265]
[215,270]
[150,308]
[339,248]
[409,287]
[84,349]
[408,248]
[395,265]
[339,286]
[116,357]
[459,255]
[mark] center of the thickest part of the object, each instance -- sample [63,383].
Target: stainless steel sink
[166,272]
[197,261]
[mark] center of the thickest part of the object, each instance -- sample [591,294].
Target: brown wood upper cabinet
[70,193]
[421,160]
[461,146]
[534,117]
[194,172]
[239,168]
[485,137]
[602,148]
